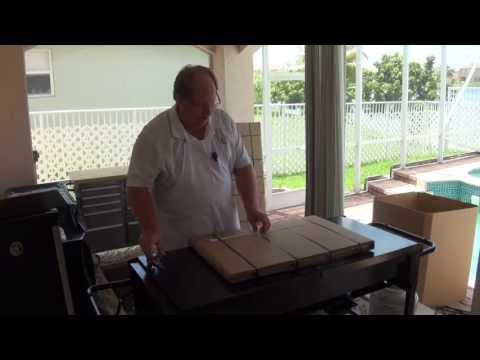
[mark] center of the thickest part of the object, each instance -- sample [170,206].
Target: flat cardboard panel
[227,235]
[365,243]
[260,185]
[255,128]
[306,252]
[337,245]
[257,147]
[247,142]
[262,202]
[297,244]
[243,129]
[259,168]
[261,253]
[224,260]
[286,224]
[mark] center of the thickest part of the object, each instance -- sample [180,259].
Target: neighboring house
[462,73]
[72,77]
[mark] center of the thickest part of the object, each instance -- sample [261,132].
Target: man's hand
[255,217]
[152,244]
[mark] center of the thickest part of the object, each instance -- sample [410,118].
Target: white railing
[380,132]
[72,140]
[288,137]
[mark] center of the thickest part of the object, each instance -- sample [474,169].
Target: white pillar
[443,95]
[267,127]
[16,160]
[358,118]
[403,149]
[234,73]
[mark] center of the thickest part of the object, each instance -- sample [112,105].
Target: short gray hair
[182,86]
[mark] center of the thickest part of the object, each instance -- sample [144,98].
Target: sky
[457,55]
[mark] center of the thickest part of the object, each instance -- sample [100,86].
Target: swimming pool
[475,172]
[469,193]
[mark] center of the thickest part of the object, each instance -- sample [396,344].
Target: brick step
[390,187]
[405,177]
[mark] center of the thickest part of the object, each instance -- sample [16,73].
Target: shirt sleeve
[241,158]
[144,164]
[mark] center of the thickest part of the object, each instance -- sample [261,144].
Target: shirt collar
[176,128]
[178,131]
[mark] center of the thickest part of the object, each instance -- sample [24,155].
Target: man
[182,166]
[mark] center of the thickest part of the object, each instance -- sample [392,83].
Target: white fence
[380,132]
[85,139]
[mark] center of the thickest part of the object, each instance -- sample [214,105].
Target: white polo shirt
[193,192]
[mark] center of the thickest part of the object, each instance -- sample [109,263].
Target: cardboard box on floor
[450,224]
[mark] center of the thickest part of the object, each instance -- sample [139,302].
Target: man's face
[196,109]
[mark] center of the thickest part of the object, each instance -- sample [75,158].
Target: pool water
[476,244]
[475,172]
[476,250]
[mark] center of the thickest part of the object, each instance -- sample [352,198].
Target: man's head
[196,94]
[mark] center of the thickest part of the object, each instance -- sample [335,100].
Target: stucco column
[16,160]
[234,71]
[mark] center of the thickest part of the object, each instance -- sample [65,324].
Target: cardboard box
[450,224]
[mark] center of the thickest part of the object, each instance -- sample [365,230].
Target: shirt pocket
[225,156]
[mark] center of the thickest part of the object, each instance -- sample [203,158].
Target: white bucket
[389,301]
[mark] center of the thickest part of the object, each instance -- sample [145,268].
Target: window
[38,65]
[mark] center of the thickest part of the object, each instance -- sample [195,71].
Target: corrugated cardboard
[450,224]
[285,224]
[261,253]
[296,244]
[306,252]
[365,243]
[231,266]
[338,246]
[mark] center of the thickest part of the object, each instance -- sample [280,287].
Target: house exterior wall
[108,76]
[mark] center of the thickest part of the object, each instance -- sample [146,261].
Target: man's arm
[141,201]
[247,187]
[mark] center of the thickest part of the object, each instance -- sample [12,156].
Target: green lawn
[298,181]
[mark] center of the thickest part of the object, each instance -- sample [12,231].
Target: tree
[258,86]
[293,91]
[350,73]
[424,82]
[383,83]
[288,92]
[386,82]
